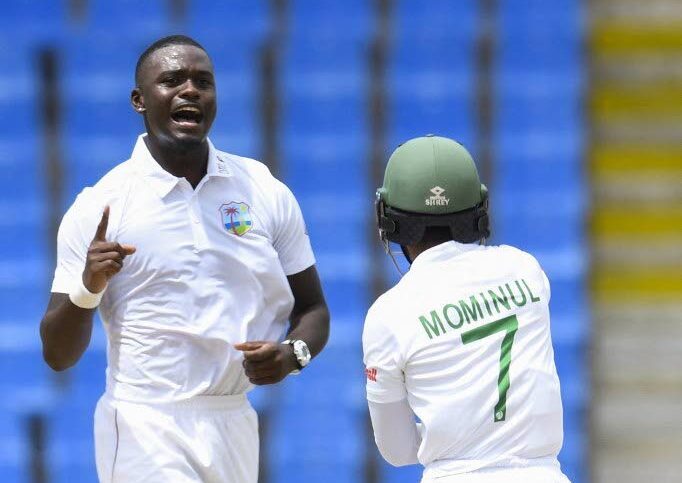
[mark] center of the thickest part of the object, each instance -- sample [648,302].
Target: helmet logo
[437,199]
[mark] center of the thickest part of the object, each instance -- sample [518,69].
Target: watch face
[302,352]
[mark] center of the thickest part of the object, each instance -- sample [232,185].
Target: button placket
[198,232]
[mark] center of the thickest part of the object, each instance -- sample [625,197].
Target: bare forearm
[311,326]
[65,332]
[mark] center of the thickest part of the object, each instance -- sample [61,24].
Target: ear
[137,100]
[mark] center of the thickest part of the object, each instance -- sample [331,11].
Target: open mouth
[187,115]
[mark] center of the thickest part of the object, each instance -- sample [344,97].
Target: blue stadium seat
[347,298]
[332,19]
[325,114]
[22,116]
[413,116]
[403,474]
[329,471]
[347,265]
[23,367]
[141,19]
[24,239]
[239,22]
[574,454]
[431,88]
[334,379]
[72,454]
[89,375]
[550,114]
[338,438]
[27,182]
[547,226]
[26,281]
[537,175]
[31,22]
[346,57]
[13,447]
[344,176]
[539,15]
[100,54]
[436,18]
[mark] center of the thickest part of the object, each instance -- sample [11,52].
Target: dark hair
[161,43]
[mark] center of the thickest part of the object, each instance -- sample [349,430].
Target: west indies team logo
[236,217]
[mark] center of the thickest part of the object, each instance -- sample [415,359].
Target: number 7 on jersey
[510,325]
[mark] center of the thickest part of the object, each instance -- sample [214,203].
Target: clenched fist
[105,259]
[267,362]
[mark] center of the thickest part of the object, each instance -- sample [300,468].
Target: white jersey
[209,271]
[465,337]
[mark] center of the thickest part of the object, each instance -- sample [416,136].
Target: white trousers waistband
[200,403]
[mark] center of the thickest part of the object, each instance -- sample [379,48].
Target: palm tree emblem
[236,217]
[231,211]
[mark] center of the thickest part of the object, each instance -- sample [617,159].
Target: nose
[189,90]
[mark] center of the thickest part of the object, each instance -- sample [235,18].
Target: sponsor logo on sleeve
[371,373]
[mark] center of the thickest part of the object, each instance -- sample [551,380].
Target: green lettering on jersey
[473,312]
[511,294]
[449,320]
[432,327]
[487,305]
[532,297]
[501,299]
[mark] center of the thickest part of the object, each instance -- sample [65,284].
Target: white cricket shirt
[209,271]
[465,337]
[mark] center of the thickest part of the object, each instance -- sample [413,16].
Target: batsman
[463,340]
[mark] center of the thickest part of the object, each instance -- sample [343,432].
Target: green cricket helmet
[431,181]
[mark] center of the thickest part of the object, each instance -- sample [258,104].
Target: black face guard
[405,228]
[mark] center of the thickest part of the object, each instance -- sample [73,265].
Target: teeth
[189,109]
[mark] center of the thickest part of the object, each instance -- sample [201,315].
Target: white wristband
[83,298]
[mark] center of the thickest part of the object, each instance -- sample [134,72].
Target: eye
[170,80]
[205,82]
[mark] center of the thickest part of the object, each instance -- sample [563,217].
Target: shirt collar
[161,181]
[444,251]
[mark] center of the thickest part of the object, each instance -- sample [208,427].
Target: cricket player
[199,262]
[463,340]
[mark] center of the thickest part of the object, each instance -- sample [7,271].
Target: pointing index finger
[101,233]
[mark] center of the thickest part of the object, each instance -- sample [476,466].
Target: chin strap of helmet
[381,217]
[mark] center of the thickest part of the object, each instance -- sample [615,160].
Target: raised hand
[267,362]
[104,259]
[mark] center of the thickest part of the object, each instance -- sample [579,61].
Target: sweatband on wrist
[83,298]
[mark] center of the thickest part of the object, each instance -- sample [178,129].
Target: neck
[413,251]
[189,162]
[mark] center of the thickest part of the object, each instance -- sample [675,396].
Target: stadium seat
[240,22]
[403,474]
[316,438]
[32,23]
[331,19]
[350,472]
[141,19]
[436,19]
[14,446]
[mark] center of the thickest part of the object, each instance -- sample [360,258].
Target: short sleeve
[291,240]
[75,234]
[385,376]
